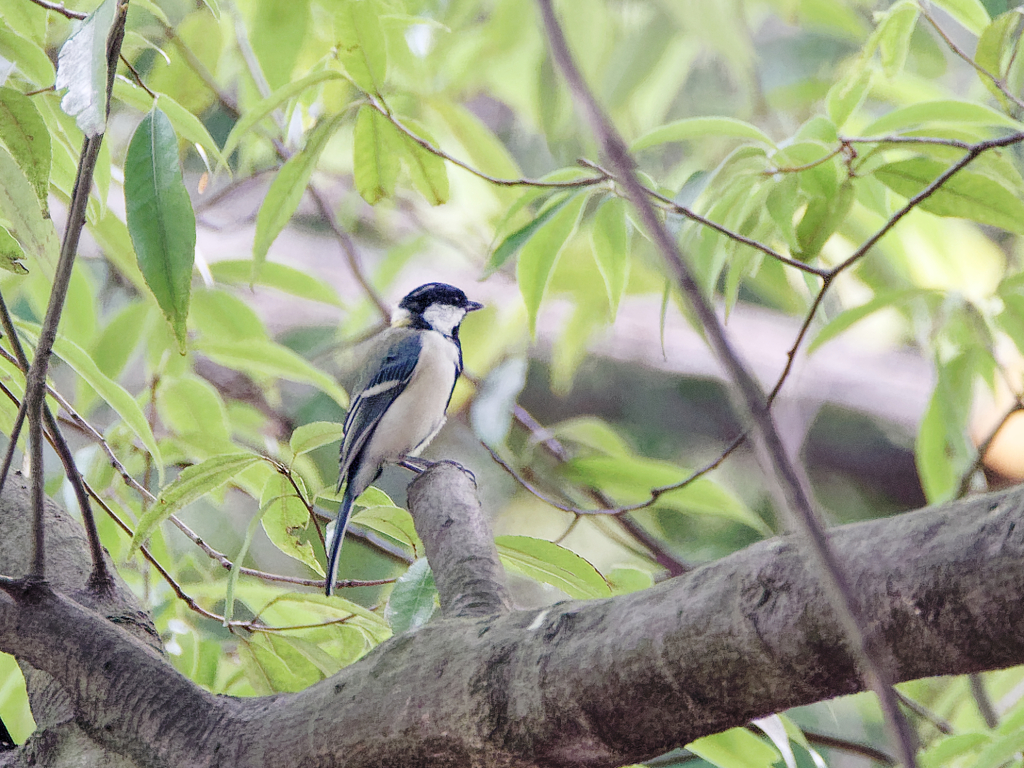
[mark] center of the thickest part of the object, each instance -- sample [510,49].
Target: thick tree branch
[459,542]
[597,683]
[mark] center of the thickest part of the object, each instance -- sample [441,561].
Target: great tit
[406,387]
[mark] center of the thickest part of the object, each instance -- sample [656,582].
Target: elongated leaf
[24,133]
[412,601]
[274,275]
[735,748]
[362,49]
[511,244]
[113,394]
[966,195]
[894,34]
[970,13]
[160,218]
[22,216]
[392,521]
[944,111]
[700,127]
[311,436]
[848,94]
[287,189]
[186,125]
[540,255]
[428,171]
[82,69]
[267,358]
[849,317]
[376,156]
[996,45]
[285,518]
[551,564]
[30,58]
[193,483]
[261,110]
[610,239]
[631,479]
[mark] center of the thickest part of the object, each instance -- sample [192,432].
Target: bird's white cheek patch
[443,317]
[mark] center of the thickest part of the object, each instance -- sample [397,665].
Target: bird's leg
[415,463]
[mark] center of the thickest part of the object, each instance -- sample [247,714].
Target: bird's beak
[473,306]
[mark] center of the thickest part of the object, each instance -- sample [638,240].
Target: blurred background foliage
[337,153]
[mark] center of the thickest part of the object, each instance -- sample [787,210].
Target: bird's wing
[388,377]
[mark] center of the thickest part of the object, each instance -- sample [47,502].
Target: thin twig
[59,8]
[998,82]
[925,714]
[378,104]
[57,440]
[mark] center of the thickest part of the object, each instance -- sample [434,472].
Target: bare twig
[998,82]
[794,495]
[59,8]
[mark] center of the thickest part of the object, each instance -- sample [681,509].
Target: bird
[407,384]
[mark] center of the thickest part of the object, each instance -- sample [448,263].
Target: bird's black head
[417,301]
[435,306]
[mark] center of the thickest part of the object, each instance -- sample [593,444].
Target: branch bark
[598,683]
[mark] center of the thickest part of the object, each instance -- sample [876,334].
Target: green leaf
[391,521]
[609,237]
[22,216]
[193,483]
[486,151]
[540,255]
[310,436]
[287,189]
[428,171]
[188,405]
[160,218]
[966,195]
[186,125]
[700,127]
[735,748]
[375,156]
[82,69]
[511,244]
[848,94]
[824,215]
[285,519]
[849,317]
[551,564]
[11,253]
[412,601]
[943,111]
[631,479]
[362,49]
[997,44]
[113,394]
[24,133]
[267,358]
[945,751]
[894,35]
[31,59]
[274,275]
[262,109]
[279,35]
[970,13]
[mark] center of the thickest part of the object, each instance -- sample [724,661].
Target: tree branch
[586,684]
[460,546]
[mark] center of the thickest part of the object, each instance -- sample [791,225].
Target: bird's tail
[337,537]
